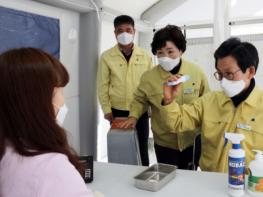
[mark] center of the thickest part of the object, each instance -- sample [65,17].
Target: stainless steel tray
[155,177]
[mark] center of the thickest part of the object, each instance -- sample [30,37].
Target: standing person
[236,109]
[120,70]
[35,157]
[168,44]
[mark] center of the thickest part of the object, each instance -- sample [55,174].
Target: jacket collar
[251,100]
[117,52]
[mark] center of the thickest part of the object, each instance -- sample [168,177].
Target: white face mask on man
[125,38]
[168,63]
[61,115]
[232,88]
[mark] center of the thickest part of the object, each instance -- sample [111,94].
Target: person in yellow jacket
[168,44]
[237,109]
[119,73]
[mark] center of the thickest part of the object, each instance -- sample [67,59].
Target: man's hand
[170,92]
[131,122]
[108,116]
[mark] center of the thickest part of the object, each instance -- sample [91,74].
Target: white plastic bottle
[236,165]
[255,179]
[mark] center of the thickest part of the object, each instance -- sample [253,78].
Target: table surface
[114,180]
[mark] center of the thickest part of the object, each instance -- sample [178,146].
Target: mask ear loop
[57,107]
[61,115]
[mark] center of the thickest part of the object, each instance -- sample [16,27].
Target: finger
[127,124]
[167,95]
[134,125]
[167,90]
[173,78]
[121,125]
[175,90]
[124,125]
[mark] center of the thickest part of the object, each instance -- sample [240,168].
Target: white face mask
[125,38]
[62,112]
[168,63]
[232,88]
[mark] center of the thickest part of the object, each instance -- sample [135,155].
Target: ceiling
[202,11]
[190,12]
[187,12]
[133,8]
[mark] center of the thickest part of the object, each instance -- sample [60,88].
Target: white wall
[200,51]
[68,56]
[107,41]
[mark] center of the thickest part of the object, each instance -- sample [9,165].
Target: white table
[115,180]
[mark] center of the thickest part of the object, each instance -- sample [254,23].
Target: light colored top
[150,92]
[116,180]
[216,114]
[117,79]
[45,175]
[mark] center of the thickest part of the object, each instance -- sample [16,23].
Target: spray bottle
[255,179]
[236,165]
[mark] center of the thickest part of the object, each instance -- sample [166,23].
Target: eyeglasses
[228,75]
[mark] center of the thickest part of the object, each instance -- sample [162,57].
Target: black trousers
[170,156]
[142,128]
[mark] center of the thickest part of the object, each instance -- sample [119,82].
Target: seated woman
[35,157]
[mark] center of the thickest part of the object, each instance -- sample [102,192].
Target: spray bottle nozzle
[259,154]
[235,138]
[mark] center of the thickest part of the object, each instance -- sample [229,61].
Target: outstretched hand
[170,92]
[129,123]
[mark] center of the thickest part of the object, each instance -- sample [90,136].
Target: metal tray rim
[154,186]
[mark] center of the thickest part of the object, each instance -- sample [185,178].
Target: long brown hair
[28,77]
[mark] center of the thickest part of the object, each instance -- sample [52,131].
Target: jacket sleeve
[187,117]
[103,84]
[139,104]
[204,87]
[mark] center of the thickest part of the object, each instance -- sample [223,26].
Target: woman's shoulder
[33,166]
[41,160]
[192,67]
[49,173]
[152,73]
[61,178]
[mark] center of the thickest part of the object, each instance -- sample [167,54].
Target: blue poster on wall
[23,29]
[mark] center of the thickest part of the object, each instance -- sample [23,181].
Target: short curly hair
[168,33]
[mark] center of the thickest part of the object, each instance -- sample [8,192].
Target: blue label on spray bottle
[236,172]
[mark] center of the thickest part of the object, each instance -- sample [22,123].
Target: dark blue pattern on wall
[23,29]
